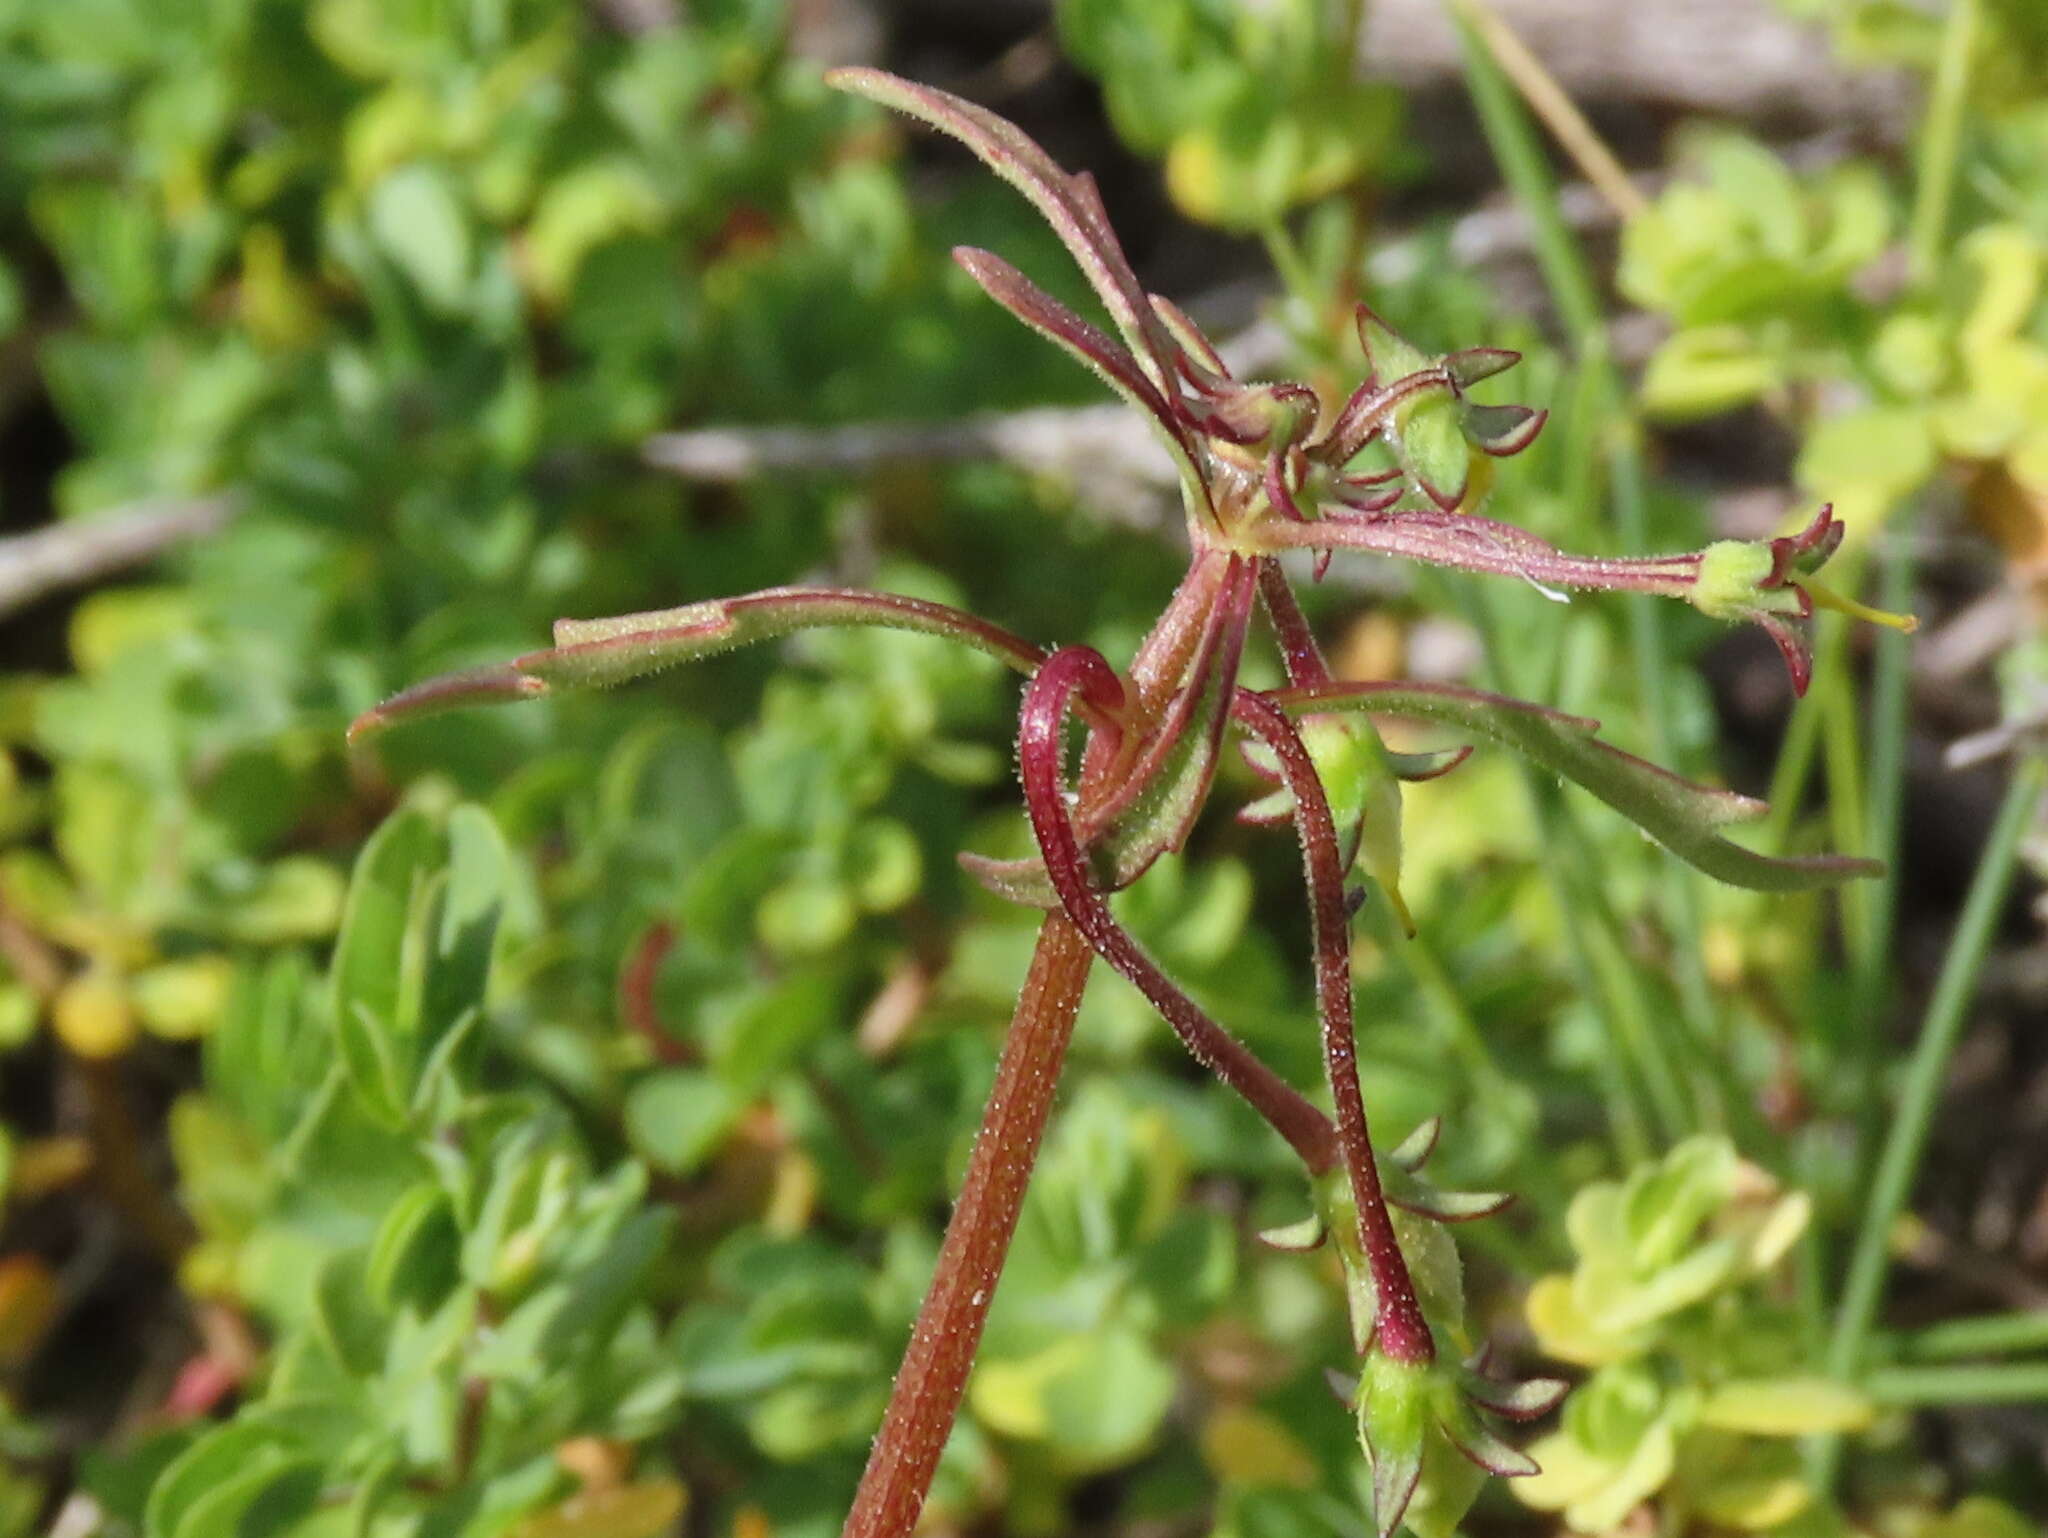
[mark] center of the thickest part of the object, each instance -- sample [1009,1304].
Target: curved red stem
[1402,1332]
[1040,749]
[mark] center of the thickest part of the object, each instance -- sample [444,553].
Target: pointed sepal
[1427,1201]
[1417,404]
[1469,365]
[1772,583]
[1361,782]
[1298,1238]
[1394,1422]
[1473,1438]
[1414,768]
[1429,1443]
[1413,1151]
[1388,354]
[1502,431]
[1527,1400]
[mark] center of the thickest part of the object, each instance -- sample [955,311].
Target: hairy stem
[933,1376]
[1078,669]
[1398,1323]
[1467,542]
[1180,676]
[1298,648]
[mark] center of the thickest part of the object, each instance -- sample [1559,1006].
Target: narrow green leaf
[607,1287]
[413,1258]
[465,922]
[345,1314]
[366,977]
[1786,1407]
[1677,813]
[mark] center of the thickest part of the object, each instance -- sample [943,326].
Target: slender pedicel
[1399,1327]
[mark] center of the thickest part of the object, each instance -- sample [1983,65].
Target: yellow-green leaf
[1785,1407]
[641,1510]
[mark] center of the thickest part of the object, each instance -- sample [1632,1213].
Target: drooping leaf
[602,652]
[1679,814]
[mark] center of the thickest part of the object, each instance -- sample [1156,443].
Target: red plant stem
[933,1376]
[1298,648]
[1398,1324]
[1039,749]
[636,994]
[1466,542]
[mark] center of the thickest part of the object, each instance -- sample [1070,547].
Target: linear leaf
[1068,202]
[596,653]
[1677,813]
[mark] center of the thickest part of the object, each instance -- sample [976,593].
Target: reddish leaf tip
[1529,1400]
[1469,365]
[489,685]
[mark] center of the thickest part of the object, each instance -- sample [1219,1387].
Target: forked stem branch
[1079,671]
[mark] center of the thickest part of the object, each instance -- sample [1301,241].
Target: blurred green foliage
[579,1163]
[1689,1374]
[1765,277]
[1256,109]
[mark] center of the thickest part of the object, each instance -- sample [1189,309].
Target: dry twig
[79,552]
